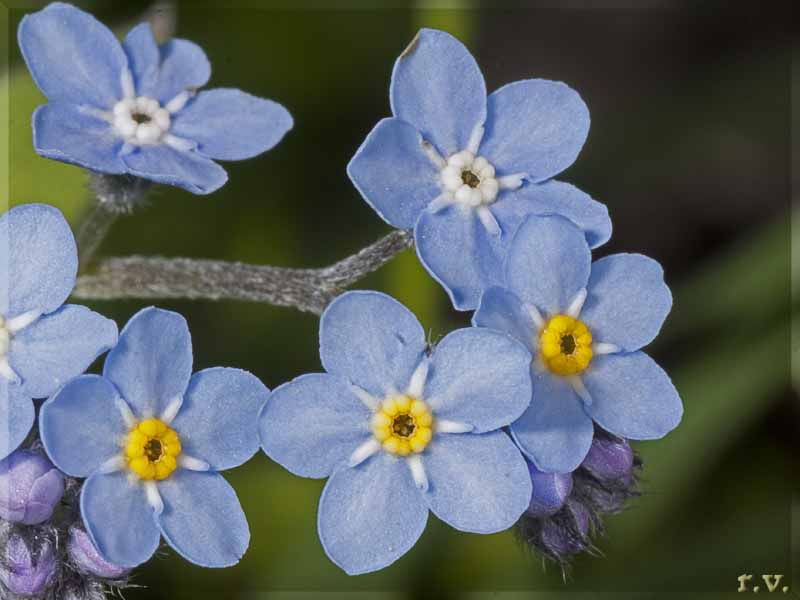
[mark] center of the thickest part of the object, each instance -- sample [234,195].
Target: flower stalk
[115,195]
[308,290]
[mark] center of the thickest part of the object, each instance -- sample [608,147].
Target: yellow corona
[403,425]
[566,345]
[152,450]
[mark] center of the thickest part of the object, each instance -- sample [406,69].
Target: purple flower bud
[609,459]
[30,488]
[550,490]
[570,536]
[86,558]
[24,574]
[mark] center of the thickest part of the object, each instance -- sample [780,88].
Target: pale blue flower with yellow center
[401,431]
[43,342]
[151,439]
[464,170]
[134,108]
[585,324]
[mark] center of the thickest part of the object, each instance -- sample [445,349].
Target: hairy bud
[30,488]
[28,567]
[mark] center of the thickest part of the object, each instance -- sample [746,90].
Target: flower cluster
[522,419]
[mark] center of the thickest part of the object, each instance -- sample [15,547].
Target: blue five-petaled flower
[401,432]
[465,170]
[132,108]
[585,324]
[151,438]
[43,342]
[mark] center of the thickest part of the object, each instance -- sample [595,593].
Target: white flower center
[470,179]
[141,121]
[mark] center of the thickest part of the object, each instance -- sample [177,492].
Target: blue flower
[465,170]
[585,323]
[151,438]
[43,342]
[132,108]
[401,432]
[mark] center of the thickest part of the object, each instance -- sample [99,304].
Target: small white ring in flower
[141,121]
[470,179]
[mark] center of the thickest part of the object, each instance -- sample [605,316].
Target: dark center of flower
[141,118]
[470,178]
[153,450]
[403,425]
[567,344]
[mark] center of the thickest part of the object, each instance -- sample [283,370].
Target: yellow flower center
[152,450]
[403,425]
[566,345]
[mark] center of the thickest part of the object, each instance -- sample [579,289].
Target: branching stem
[307,290]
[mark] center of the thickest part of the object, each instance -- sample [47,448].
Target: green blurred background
[690,148]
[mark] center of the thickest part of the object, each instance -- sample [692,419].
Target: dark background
[690,149]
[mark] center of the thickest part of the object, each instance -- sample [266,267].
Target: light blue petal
[59,347]
[118,518]
[501,310]
[313,424]
[370,515]
[38,260]
[152,362]
[477,483]
[632,396]
[536,127]
[554,198]
[81,426]
[184,66]
[371,339]
[72,56]
[66,133]
[459,253]
[548,263]
[144,58]
[555,432]
[229,124]
[218,421]
[627,301]
[480,377]
[438,88]
[188,170]
[392,173]
[17,414]
[202,519]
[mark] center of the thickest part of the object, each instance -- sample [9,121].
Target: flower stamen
[141,121]
[470,180]
[152,450]
[403,425]
[566,345]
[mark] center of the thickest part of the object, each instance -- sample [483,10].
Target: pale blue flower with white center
[43,342]
[151,439]
[465,170]
[585,323]
[133,108]
[401,431]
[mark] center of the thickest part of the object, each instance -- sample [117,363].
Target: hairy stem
[93,230]
[115,195]
[307,290]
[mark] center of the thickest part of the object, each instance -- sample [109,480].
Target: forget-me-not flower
[400,432]
[43,342]
[465,170]
[585,323]
[133,108]
[151,438]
